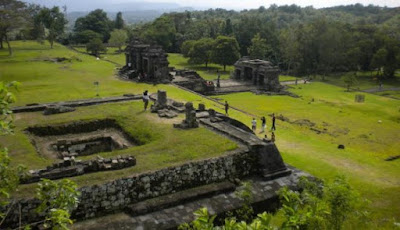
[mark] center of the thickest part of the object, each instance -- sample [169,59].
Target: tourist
[218,79]
[295,82]
[273,137]
[263,124]
[146,99]
[253,124]
[273,122]
[226,108]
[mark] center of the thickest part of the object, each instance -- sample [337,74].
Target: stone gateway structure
[146,62]
[259,72]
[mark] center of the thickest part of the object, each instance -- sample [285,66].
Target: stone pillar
[190,118]
[161,102]
[162,98]
[202,107]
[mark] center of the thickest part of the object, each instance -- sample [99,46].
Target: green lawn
[365,80]
[334,112]
[368,142]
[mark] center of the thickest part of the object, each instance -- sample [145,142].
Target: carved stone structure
[190,120]
[69,167]
[149,62]
[259,72]
[161,102]
[192,80]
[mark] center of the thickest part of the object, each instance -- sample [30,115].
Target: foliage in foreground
[332,206]
[58,198]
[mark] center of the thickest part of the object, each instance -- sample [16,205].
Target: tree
[316,207]
[118,38]
[9,176]
[258,48]
[379,59]
[54,21]
[119,22]
[86,36]
[349,79]
[58,200]
[162,32]
[95,46]
[228,30]
[200,52]
[96,21]
[186,46]
[225,51]
[12,14]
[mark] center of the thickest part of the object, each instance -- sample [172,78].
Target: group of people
[264,126]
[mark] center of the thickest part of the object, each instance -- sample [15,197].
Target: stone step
[179,198]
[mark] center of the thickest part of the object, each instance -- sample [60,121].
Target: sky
[206,4]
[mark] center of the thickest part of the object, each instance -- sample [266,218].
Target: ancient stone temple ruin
[259,72]
[146,63]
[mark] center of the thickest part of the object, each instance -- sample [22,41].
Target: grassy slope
[165,145]
[367,142]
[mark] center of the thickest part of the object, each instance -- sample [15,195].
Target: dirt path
[375,90]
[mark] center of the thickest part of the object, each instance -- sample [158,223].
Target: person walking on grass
[226,108]
[254,124]
[263,124]
[273,122]
[146,99]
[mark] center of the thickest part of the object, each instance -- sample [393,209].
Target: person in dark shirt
[226,108]
[263,124]
[273,122]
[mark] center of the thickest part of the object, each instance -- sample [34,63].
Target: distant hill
[80,5]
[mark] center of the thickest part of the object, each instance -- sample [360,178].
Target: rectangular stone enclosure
[79,138]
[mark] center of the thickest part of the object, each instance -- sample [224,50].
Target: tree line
[21,21]
[302,41]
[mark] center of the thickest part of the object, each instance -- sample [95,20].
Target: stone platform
[78,103]
[264,194]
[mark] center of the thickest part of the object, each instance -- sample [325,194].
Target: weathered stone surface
[258,72]
[147,63]
[69,167]
[55,109]
[190,119]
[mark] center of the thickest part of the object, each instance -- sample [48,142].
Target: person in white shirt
[253,124]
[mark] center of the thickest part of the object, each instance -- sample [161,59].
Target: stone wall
[111,197]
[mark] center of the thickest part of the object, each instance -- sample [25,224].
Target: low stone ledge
[69,167]
[34,107]
[179,198]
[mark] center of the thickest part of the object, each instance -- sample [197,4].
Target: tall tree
[12,13]
[162,32]
[200,52]
[96,21]
[119,21]
[54,21]
[118,38]
[95,46]
[225,51]
[228,29]
[259,47]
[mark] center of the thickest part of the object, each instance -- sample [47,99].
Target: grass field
[338,120]
[336,117]
[164,145]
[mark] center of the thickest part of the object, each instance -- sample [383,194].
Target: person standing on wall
[226,108]
[146,99]
[273,122]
